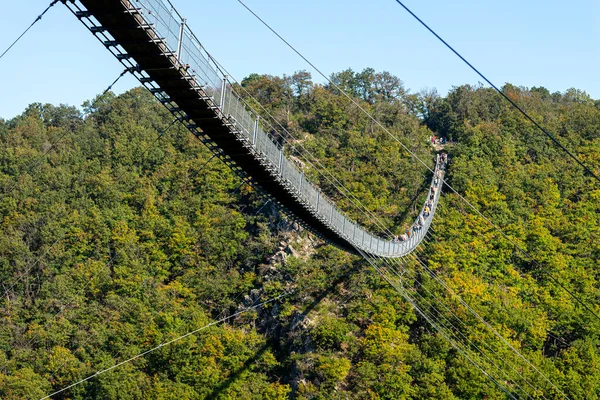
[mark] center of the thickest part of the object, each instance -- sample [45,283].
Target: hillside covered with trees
[120,232]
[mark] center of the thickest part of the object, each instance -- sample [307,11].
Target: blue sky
[530,43]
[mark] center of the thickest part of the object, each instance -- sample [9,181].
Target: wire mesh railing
[206,75]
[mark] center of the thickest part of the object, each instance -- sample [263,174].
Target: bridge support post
[180,39]
[223,86]
[281,160]
[301,181]
[318,198]
[255,130]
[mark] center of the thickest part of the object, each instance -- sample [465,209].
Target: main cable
[453,332]
[391,262]
[515,105]
[395,263]
[30,26]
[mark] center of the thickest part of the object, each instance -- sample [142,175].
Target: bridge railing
[169,25]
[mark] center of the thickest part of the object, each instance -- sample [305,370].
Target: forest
[120,232]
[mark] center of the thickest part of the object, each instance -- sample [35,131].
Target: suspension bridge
[154,43]
[152,40]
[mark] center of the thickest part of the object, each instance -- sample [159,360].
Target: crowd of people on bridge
[442,160]
[438,140]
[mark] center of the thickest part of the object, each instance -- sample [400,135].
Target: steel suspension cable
[390,263]
[437,315]
[126,70]
[473,312]
[478,317]
[376,263]
[537,125]
[488,326]
[30,26]
[340,90]
[338,185]
[444,285]
[433,323]
[276,121]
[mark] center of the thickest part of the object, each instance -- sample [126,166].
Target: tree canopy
[115,241]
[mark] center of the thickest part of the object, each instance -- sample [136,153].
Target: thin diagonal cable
[434,310]
[166,344]
[437,278]
[118,311]
[481,319]
[440,211]
[115,81]
[263,206]
[293,145]
[541,128]
[319,167]
[196,173]
[129,341]
[473,312]
[430,320]
[522,250]
[336,86]
[434,325]
[27,30]
[478,317]
[390,263]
